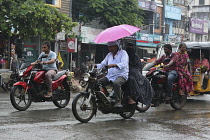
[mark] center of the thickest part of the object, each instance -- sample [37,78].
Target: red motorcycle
[32,88]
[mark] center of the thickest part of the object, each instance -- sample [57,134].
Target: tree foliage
[27,18]
[108,12]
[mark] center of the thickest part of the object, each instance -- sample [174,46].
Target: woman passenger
[185,82]
[138,87]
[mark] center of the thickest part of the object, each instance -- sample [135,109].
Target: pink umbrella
[115,33]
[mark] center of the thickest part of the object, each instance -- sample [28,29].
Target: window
[157,21]
[201,2]
[56,3]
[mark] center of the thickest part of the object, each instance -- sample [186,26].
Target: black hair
[182,44]
[168,46]
[47,43]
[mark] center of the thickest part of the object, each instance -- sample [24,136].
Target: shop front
[96,52]
[146,44]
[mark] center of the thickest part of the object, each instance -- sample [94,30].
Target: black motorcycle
[96,97]
[158,79]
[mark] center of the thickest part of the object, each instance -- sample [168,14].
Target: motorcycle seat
[59,74]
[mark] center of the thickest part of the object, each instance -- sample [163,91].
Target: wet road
[43,121]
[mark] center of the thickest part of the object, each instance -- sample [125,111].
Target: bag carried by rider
[75,86]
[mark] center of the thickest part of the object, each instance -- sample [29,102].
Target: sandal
[118,105]
[49,95]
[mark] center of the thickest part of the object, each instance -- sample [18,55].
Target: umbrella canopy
[115,33]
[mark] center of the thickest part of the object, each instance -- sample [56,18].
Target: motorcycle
[32,88]
[97,97]
[158,79]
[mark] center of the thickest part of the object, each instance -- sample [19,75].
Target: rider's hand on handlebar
[166,66]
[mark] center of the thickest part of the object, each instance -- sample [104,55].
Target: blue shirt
[50,56]
[121,59]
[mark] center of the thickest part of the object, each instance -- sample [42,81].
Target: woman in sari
[185,82]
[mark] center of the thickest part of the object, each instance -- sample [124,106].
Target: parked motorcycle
[96,97]
[158,80]
[32,88]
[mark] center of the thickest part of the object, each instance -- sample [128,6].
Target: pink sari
[185,78]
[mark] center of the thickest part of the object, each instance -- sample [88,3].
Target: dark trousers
[116,85]
[172,76]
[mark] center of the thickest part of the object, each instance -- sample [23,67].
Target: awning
[149,49]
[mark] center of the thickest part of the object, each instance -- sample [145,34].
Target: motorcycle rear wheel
[65,102]
[19,99]
[128,115]
[179,102]
[142,107]
[83,111]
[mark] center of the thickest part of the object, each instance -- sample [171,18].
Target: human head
[130,49]
[167,49]
[113,46]
[46,46]
[182,47]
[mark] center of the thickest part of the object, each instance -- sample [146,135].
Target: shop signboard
[199,26]
[148,40]
[172,12]
[148,5]
[63,46]
[72,44]
[173,38]
[88,34]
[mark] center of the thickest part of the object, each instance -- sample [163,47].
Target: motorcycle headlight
[21,72]
[86,76]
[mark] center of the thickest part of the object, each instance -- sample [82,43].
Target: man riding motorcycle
[117,62]
[49,64]
[170,67]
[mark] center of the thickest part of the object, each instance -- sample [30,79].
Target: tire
[66,91]
[80,107]
[10,84]
[179,102]
[128,115]
[142,107]
[24,100]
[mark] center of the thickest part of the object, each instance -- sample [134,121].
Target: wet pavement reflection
[44,121]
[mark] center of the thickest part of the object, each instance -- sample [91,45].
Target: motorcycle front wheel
[142,107]
[129,114]
[63,91]
[179,102]
[83,110]
[19,99]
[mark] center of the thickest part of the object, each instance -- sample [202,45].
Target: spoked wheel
[142,107]
[179,102]
[129,114]
[64,91]
[19,99]
[82,109]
